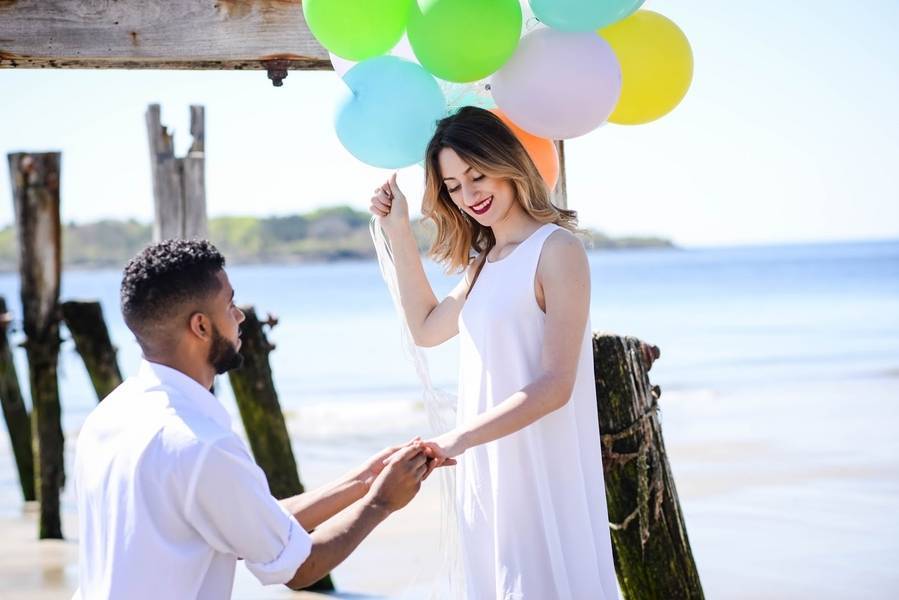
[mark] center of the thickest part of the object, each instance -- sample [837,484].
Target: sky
[789,133]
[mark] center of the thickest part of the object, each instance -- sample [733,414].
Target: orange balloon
[541,150]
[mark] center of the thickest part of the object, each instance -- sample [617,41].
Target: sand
[788,493]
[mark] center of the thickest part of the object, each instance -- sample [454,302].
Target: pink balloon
[559,85]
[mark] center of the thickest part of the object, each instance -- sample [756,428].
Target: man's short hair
[163,280]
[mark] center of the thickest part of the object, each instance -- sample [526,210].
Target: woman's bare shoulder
[562,246]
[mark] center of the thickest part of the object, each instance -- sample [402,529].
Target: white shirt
[169,497]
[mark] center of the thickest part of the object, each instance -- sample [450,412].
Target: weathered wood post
[649,537]
[86,324]
[179,184]
[35,186]
[18,421]
[560,192]
[261,414]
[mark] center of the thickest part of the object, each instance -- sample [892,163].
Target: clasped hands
[394,475]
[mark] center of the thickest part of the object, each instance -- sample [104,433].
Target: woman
[530,494]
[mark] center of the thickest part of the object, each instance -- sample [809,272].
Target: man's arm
[315,507]
[396,485]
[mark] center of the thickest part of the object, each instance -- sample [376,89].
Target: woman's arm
[431,322]
[563,275]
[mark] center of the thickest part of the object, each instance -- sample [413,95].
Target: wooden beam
[157,34]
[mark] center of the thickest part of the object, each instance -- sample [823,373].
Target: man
[169,497]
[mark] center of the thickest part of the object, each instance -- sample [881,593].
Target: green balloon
[464,40]
[357,29]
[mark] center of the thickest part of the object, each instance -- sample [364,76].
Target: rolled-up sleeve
[230,505]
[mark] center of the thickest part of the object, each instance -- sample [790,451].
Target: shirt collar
[154,374]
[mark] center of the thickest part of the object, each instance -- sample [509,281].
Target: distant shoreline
[323,236]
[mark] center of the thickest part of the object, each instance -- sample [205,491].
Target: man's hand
[373,466]
[401,478]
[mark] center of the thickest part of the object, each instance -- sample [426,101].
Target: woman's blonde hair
[484,142]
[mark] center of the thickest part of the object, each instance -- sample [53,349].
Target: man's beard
[223,355]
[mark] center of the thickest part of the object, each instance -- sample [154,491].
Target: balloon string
[441,411]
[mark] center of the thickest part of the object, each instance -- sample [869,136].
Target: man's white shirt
[169,497]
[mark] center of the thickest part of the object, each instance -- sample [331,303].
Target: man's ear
[200,325]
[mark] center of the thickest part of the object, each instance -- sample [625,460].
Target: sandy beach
[800,505]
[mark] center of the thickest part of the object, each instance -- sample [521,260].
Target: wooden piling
[559,195]
[179,184]
[35,187]
[18,422]
[260,411]
[649,537]
[85,322]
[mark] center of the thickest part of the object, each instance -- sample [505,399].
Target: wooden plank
[156,34]
[35,186]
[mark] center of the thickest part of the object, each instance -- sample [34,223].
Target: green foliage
[334,233]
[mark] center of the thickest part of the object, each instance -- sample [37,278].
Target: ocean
[779,373]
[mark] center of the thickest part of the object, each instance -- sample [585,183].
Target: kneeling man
[169,498]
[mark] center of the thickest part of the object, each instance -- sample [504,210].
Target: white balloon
[558,85]
[341,65]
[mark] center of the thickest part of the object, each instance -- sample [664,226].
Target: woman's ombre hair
[484,142]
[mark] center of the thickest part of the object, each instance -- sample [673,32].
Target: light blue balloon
[582,15]
[389,113]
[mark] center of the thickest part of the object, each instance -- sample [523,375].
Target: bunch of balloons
[551,69]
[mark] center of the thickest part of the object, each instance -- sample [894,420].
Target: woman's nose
[470,194]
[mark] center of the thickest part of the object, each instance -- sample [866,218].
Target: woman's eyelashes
[453,190]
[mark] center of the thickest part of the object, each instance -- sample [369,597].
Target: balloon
[357,29]
[558,85]
[541,150]
[656,66]
[341,65]
[464,40]
[476,93]
[582,15]
[390,112]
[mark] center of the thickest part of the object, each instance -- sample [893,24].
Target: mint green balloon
[464,40]
[357,29]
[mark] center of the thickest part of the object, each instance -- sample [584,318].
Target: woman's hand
[443,448]
[389,205]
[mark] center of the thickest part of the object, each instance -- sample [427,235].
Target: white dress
[532,505]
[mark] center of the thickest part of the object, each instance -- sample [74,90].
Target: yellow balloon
[656,66]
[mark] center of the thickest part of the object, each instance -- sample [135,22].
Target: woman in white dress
[530,493]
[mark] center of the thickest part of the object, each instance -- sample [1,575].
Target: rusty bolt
[277,71]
